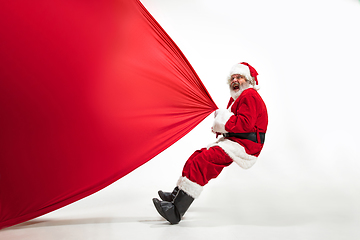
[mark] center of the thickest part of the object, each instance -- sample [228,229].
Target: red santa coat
[246,114]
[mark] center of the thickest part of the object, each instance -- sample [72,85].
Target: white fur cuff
[236,152]
[191,188]
[221,117]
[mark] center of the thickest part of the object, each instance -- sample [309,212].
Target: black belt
[250,136]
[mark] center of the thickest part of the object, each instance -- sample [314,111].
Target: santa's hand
[221,117]
[219,110]
[212,130]
[217,133]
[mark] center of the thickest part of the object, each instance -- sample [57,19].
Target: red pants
[205,164]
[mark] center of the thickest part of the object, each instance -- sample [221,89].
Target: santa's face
[236,82]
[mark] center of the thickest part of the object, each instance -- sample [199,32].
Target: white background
[307,54]
[306,182]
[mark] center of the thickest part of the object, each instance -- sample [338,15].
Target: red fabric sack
[89,91]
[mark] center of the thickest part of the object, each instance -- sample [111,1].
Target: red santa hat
[245,70]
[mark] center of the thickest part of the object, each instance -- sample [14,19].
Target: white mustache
[235,84]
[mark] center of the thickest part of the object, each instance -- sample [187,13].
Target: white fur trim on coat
[236,152]
[221,117]
[191,188]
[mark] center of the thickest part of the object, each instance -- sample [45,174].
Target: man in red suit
[242,124]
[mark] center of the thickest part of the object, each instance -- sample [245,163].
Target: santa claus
[242,124]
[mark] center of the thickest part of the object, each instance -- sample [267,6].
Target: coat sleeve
[244,118]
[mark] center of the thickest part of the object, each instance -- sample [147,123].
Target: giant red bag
[89,91]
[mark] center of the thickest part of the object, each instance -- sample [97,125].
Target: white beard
[242,87]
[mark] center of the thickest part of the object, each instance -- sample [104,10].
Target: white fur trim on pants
[191,188]
[236,152]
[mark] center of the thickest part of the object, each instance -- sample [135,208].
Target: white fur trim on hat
[236,152]
[191,188]
[242,70]
[221,117]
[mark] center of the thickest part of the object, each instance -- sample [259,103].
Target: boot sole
[172,218]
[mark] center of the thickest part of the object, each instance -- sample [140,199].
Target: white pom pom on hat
[245,70]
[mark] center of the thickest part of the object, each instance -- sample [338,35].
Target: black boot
[168,196]
[175,210]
